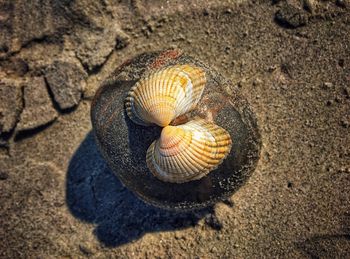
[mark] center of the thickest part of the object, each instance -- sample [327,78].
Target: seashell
[165,94]
[188,152]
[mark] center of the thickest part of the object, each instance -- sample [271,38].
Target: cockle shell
[188,152]
[165,94]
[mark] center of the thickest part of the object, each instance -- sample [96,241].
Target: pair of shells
[185,152]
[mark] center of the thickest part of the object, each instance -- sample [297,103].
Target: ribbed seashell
[188,152]
[165,94]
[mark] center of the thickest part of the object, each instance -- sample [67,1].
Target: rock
[327,85]
[257,81]
[86,249]
[118,137]
[38,109]
[122,39]
[310,5]
[66,82]
[345,122]
[346,92]
[291,17]
[95,46]
[10,105]
[3,175]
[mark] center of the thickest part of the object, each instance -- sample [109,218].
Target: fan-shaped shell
[165,94]
[188,152]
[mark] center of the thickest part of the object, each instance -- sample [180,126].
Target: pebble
[329,102]
[257,82]
[345,123]
[85,250]
[327,85]
[228,11]
[122,40]
[272,68]
[291,17]
[346,92]
[337,99]
[3,175]
[309,5]
[242,83]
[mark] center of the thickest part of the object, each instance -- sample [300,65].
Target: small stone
[181,37]
[213,222]
[308,123]
[66,82]
[346,92]
[86,250]
[38,109]
[177,236]
[309,5]
[122,40]
[341,62]
[257,82]
[272,68]
[287,69]
[327,85]
[291,17]
[284,87]
[3,175]
[329,102]
[345,123]
[228,11]
[242,83]
[205,12]
[10,105]
[337,99]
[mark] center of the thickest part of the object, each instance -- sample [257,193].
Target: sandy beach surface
[291,61]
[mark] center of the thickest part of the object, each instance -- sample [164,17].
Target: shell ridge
[192,150]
